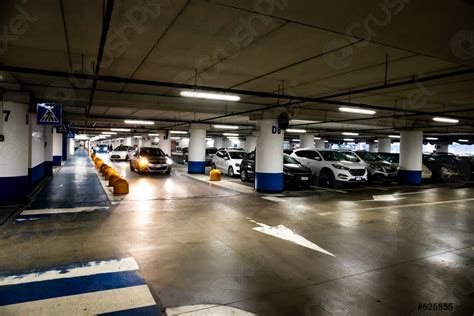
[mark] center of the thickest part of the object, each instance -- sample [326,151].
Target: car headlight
[169,161]
[340,167]
[237,164]
[375,167]
[143,162]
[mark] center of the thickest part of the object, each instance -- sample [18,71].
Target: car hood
[296,168]
[349,164]
[119,151]
[155,159]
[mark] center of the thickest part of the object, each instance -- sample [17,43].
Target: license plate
[358,178]
[304,178]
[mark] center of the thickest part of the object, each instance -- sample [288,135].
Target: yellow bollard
[104,169]
[99,164]
[109,172]
[114,177]
[215,175]
[121,186]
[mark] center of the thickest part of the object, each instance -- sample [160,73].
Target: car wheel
[243,176]
[230,172]
[168,171]
[327,179]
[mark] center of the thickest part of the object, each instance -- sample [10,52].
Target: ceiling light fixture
[431,138]
[350,134]
[294,130]
[153,134]
[463,140]
[120,129]
[348,139]
[109,133]
[210,96]
[225,126]
[394,136]
[445,120]
[178,132]
[295,140]
[139,122]
[230,134]
[357,110]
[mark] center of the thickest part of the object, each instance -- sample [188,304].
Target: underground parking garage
[225,157]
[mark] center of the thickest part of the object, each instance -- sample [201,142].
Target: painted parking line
[411,205]
[92,288]
[374,187]
[49,211]
[328,189]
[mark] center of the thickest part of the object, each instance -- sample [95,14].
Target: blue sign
[70,134]
[49,114]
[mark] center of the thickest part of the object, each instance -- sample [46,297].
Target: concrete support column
[48,151]
[307,141]
[14,148]
[250,143]
[197,149]
[57,147]
[373,147]
[319,143]
[70,147]
[442,147]
[385,145]
[218,142]
[411,151]
[269,157]
[128,141]
[165,143]
[36,150]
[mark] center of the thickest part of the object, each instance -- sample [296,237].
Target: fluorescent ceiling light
[210,96]
[175,137]
[394,136]
[153,134]
[178,132]
[139,122]
[376,141]
[431,138]
[120,129]
[445,120]
[226,126]
[350,134]
[317,138]
[109,133]
[137,136]
[463,140]
[295,140]
[357,110]
[349,139]
[294,130]
[230,134]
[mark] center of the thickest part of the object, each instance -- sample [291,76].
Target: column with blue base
[64,147]
[411,155]
[36,151]
[48,151]
[197,149]
[57,147]
[269,157]
[14,148]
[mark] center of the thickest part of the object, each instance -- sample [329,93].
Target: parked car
[447,167]
[294,174]
[210,153]
[180,156]
[470,161]
[332,167]
[394,158]
[150,159]
[379,169]
[101,149]
[228,161]
[121,152]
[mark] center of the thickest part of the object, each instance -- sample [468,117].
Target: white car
[332,167]
[228,161]
[121,152]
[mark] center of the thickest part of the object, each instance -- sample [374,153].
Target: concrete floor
[395,247]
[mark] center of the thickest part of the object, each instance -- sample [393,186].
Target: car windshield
[339,156]
[122,148]
[389,157]
[151,152]
[366,156]
[237,154]
[289,159]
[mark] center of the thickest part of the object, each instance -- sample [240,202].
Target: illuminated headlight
[169,161]
[143,162]
[375,167]
[340,167]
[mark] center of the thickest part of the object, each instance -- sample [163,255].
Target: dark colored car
[379,169]
[294,174]
[150,159]
[447,167]
[470,161]
[210,152]
[101,149]
[180,156]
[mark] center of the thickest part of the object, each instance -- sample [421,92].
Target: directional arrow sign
[285,233]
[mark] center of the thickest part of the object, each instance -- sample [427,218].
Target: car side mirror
[167,155]
[226,158]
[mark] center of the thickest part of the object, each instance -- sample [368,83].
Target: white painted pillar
[373,147]
[319,143]
[250,143]
[48,151]
[442,147]
[307,141]
[385,145]
[70,147]
[128,141]
[14,148]
[218,142]
[197,149]
[57,147]
[411,151]
[269,157]
[36,150]
[165,143]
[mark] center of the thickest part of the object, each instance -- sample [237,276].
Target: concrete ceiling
[304,48]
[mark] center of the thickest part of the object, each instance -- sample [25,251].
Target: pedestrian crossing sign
[49,114]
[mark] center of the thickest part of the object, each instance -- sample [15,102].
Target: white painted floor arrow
[285,233]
